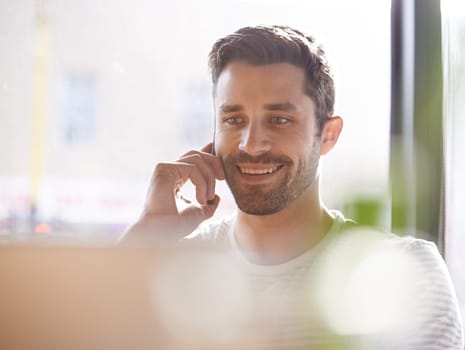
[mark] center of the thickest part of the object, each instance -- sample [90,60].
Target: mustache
[266,158]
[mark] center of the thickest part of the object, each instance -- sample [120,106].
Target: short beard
[261,200]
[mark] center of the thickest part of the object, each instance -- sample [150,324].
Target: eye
[233,120]
[280,120]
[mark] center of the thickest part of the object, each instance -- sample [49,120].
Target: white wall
[148,59]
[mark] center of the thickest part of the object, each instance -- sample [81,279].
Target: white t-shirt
[355,289]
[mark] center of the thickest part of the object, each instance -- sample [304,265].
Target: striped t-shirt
[355,289]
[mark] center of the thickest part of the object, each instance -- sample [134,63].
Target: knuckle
[167,171]
[194,158]
[198,180]
[161,168]
[190,153]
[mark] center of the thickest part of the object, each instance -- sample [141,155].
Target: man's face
[266,135]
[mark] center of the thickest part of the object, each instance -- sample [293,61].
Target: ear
[330,133]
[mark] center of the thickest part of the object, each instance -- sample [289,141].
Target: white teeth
[258,171]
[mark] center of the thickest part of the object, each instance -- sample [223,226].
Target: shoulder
[440,325]
[212,231]
[426,254]
[405,277]
[423,250]
[432,303]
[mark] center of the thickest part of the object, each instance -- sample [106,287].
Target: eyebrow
[225,108]
[285,106]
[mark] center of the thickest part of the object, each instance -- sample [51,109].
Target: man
[273,96]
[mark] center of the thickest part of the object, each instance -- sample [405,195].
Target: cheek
[225,142]
[297,144]
[304,153]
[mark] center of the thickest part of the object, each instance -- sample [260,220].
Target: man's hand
[161,217]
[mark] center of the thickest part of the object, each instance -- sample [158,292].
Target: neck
[279,237]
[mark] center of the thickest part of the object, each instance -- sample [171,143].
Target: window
[127,86]
[453,13]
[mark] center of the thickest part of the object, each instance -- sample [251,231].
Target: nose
[254,140]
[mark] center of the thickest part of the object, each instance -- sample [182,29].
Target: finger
[212,160]
[215,163]
[215,160]
[208,148]
[198,179]
[212,164]
[209,209]
[206,171]
[166,179]
[160,195]
[197,214]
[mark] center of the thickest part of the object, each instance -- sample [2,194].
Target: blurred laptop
[119,297]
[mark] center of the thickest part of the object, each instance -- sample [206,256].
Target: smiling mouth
[261,171]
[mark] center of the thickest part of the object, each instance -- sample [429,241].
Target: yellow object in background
[39,107]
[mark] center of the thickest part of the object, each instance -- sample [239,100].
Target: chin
[260,211]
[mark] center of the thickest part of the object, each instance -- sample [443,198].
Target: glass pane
[453,12]
[94,93]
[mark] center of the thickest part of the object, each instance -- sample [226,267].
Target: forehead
[279,81]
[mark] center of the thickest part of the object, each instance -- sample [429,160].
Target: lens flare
[366,284]
[202,297]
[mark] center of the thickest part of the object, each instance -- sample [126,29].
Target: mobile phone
[213,141]
[212,201]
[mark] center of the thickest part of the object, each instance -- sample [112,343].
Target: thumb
[209,209]
[197,214]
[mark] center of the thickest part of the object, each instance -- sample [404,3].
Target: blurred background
[94,93]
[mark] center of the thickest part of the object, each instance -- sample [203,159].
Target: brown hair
[262,45]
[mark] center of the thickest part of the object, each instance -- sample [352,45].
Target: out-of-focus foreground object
[117,298]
